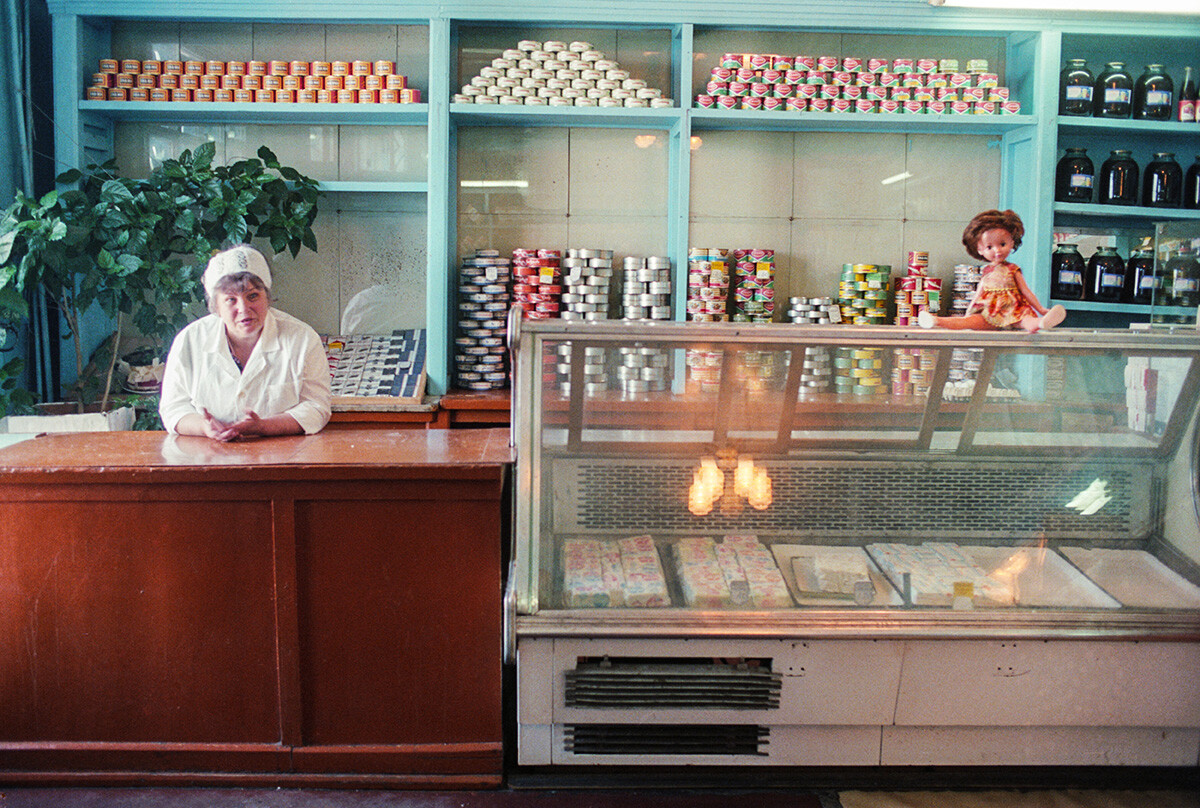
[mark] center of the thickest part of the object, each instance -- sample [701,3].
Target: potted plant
[135,248]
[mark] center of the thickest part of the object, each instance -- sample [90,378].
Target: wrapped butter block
[768,590]
[735,576]
[612,574]
[645,583]
[583,575]
[700,576]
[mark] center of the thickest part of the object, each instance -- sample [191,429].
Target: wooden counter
[321,610]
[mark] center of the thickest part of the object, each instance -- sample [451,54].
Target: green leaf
[115,191]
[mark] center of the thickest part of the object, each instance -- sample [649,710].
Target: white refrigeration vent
[668,740]
[701,684]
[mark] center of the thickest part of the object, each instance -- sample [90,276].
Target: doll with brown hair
[1003,299]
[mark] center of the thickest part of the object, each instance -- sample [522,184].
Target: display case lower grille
[830,499]
[680,684]
[674,740]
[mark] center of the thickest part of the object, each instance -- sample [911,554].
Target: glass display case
[814,545]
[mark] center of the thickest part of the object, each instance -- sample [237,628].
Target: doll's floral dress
[1000,301]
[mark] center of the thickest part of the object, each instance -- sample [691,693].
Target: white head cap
[242,258]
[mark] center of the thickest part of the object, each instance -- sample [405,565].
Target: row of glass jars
[1114,93]
[1107,278]
[1163,184]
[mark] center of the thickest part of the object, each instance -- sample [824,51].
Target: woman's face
[242,311]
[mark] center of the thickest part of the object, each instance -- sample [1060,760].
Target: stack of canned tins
[704,370]
[708,285]
[646,291]
[595,370]
[863,293]
[480,355]
[859,371]
[964,362]
[643,370]
[912,370]
[816,310]
[916,291]
[817,374]
[754,292]
[587,274]
[558,74]
[760,371]
[537,282]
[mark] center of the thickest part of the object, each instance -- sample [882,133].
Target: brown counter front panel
[137,621]
[308,611]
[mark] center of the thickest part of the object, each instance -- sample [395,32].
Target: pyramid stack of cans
[537,282]
[480,355]
[708,285]
[916,291]
[646,288]
[754,289]
[813,310]
[770,81]
[859,371]
[587,276]
[863,293]
[558,74]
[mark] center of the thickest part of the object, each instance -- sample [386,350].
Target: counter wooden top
[377,452]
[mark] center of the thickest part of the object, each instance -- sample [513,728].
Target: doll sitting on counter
[1003,299]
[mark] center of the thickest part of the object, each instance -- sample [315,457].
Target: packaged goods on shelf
[916,291]
[827,84]
[739,571]
[863,293]
[937,573]
[279,81]
[754,285]
[859,371]
[587,278]
[377,369]
[645,295]
[536,74]
[480,346]
[708,285]
[912,370]
[537,282]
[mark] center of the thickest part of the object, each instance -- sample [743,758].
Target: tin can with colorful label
[731,60]
[805,63]
[773,103]
[1010,108]
[985,108]
[706,102]
[728,102]
[866,105]
[828,63]
[841,78]
[889,79]
[878,65]
[829,91]
[961,108]
[890,106]
[903,66]
[794,104]
[739,89]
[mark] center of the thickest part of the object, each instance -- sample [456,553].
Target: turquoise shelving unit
[1034,46]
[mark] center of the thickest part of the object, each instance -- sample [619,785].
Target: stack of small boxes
[278,81]
[556,73]
[480,355]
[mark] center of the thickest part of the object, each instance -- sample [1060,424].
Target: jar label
[1186,285]
[1112,279]
[1070,277]
[1081,180]
[1079,92]
[1158,98]
[1117,95]
[1150,283]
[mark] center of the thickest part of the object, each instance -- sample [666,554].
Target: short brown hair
[992,220]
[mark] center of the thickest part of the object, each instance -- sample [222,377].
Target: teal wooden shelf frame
[1029,141]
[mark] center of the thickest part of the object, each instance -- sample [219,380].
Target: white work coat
[287,372]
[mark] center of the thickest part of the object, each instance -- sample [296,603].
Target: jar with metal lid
[1141,281]
[1113,97]
[1067,270]
[1074,177]
[1119,179]
[1191,186]
[1105,276]
[1162,183]
[1075,85]
[1153,95]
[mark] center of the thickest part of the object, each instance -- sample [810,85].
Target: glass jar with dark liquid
[1153,95]
[1067,269]
[1075,86]
[1119,179]
[1113,97]
[1074,177]
[1105,276]
[1141,281]
[1162,183]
